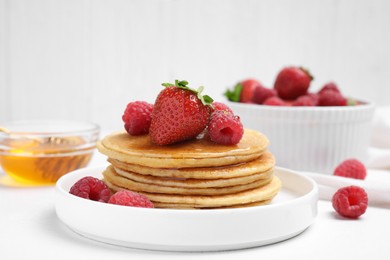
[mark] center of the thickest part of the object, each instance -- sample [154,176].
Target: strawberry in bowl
[308,130]
[291,88]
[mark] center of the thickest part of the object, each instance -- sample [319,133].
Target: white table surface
[30,229]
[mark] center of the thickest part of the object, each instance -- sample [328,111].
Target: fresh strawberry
[180,113]
[243,91]
[292,82]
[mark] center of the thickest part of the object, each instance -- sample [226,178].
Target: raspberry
[304,100]
[274,101]
[261,94]
[225,128]
[91,188]
[351,168]
[130,198]
[221,106]
[350,201]
[329,86]
[331,98]
[137,117]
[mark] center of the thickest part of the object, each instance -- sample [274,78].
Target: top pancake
[192,153]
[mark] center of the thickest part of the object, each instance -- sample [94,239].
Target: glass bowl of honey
[40,152]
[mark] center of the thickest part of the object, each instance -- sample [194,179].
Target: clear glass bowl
[40,152]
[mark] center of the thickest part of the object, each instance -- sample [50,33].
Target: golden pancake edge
[200,152]
[264,162]
[111,176]
[261,194]
[195,174]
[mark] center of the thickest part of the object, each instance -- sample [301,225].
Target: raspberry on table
[225,128]
[351,168]
[130,198]
[350,201]
[91,188]
[137,117]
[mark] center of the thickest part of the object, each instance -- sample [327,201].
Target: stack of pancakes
[193,174]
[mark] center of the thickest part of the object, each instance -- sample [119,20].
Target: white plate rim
[306,201]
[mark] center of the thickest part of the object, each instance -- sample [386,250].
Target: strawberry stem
[205,99]
[234,94]
[307,73]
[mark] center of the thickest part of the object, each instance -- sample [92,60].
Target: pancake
[194,174]
[263,193]
[194,183]
[193,206]
[112,177]
[261,164]
[200,152]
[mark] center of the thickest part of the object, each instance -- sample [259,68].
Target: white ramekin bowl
[314,139]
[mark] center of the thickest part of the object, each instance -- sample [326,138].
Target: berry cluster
[94,189]
[291,88]
[181,113]
[350,201]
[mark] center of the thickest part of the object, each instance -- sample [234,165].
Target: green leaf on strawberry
[206,100]
[234,94]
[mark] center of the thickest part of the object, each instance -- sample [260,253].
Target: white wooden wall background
[86,59]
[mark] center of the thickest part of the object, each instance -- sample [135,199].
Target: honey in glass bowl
[40,152]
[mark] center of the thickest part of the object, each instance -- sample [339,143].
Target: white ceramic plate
[289,214]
